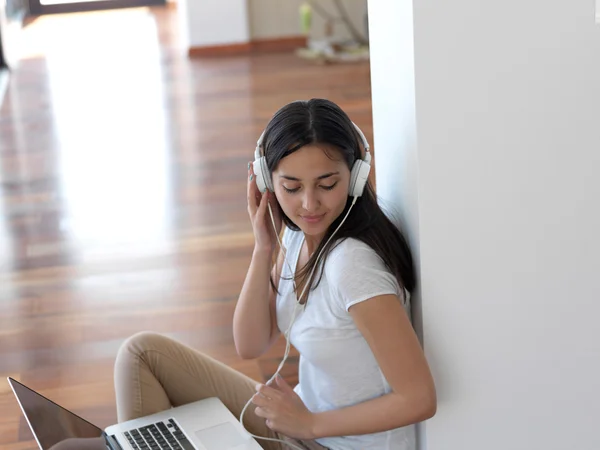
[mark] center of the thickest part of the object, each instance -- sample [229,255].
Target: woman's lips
[313,219]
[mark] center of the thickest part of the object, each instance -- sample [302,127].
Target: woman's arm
[255,319]
[390,335]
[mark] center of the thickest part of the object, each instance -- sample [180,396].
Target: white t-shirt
[337,367]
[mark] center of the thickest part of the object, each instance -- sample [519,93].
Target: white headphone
[358,176]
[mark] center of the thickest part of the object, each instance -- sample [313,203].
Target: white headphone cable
[292,320]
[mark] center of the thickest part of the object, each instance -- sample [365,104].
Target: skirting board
[284,44]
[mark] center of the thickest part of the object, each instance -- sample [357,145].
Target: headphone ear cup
[263,176]
[358,178]
[257,167]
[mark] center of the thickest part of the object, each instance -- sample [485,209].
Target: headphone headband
[259,144]
[363,139]
[359,174]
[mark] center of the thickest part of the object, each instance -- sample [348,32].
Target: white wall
[11,38]
[214,22]
[394,126]
[276,18]
[219,22]
[507,161]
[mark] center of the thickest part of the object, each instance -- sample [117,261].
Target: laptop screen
[53,426]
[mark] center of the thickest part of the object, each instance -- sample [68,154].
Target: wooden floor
[122,199]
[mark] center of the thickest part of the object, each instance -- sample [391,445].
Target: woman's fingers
[268,391]
[262,207]
[264,413]
[252,190]
[257,209]
[260,400]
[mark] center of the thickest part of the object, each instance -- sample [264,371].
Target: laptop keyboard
[159,437]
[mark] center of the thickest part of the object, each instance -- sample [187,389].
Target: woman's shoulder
[350,252]
[347,246]
[357,272]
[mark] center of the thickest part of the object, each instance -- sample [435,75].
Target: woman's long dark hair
[320,121]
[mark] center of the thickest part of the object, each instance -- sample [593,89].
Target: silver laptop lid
[54,427]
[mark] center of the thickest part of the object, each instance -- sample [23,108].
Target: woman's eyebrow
[320,177]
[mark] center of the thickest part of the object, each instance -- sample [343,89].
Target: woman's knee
[139,343]
[132,355]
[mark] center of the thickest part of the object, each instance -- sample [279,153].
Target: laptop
[202,425]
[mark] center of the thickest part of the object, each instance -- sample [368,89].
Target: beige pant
[154,373]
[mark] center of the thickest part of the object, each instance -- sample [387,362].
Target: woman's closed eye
[327,188]
[330,187]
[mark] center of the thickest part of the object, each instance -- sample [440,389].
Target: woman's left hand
[284,410]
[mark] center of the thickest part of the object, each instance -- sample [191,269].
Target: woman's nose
[310,201]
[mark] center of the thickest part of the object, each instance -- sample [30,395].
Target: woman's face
[312,187]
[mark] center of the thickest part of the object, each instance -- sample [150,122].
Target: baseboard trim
[220,50]
[274,45]
[282,44]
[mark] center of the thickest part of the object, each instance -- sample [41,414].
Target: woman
[363,376]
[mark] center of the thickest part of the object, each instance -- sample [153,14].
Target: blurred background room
[126,127]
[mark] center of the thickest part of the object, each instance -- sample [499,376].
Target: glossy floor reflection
[123,197]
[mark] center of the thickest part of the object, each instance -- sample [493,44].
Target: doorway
[39,7]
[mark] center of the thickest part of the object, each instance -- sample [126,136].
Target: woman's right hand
[265,237]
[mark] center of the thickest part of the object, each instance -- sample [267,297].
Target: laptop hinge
[111,442]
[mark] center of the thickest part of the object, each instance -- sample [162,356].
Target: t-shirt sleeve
[356,273]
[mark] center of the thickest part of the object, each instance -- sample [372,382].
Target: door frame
[36,7]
